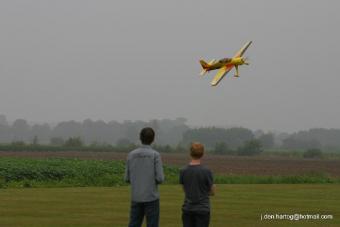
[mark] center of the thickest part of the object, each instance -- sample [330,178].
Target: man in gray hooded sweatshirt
[144,171]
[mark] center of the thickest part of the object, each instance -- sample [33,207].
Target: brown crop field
[219,164]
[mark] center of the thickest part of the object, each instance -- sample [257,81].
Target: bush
[26,184]
[3,183]
[163,148]
[252,147]
[35,141]
[18,143]
[313,153]
[222,148]
[73,142]
[57,141]
[124,143]
[28,173]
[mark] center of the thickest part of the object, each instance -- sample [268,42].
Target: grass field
[234,205]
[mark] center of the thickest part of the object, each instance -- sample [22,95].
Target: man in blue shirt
[144,171]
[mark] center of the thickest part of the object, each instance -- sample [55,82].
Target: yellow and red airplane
[225,65]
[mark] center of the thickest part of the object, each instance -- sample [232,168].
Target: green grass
[234,205]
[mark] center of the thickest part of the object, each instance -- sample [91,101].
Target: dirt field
[219,164]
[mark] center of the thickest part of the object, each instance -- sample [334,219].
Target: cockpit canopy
[225,60]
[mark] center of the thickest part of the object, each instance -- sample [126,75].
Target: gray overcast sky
[138,60]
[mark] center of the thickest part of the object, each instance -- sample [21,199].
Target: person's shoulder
[133,152]
[155,152]
[144,150]
[205,168]
[184,168]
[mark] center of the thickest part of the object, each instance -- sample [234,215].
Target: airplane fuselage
[226,62]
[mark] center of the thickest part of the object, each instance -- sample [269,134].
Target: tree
[67,129]
[294,143]
[18,143]
[234,137]
[267,140]
[251,147]
[222,148]
[313,153]
[35,141]
[163,148]
[325,137]
[42,131]
[21,129]
[73,142]
[5,133]
[57,141]
[123,142]
[3,120]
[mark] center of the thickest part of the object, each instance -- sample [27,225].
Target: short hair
[147,135]
[196,150]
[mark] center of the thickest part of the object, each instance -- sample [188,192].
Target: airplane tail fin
[205,67]
[204,64]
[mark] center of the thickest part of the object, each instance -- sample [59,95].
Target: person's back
[144,171]
[198,185]
[143,178]
[197,181]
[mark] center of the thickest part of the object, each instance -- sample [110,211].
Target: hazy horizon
[55,123]
[118,60]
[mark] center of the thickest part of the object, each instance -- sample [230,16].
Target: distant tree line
[100,132]
[313,138]
[171,135]
[233,137]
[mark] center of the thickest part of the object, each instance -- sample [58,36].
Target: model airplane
[225,65]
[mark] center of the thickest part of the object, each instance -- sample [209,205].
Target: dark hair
[147,135]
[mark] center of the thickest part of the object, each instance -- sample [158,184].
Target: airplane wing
[242,50]
[220,74]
